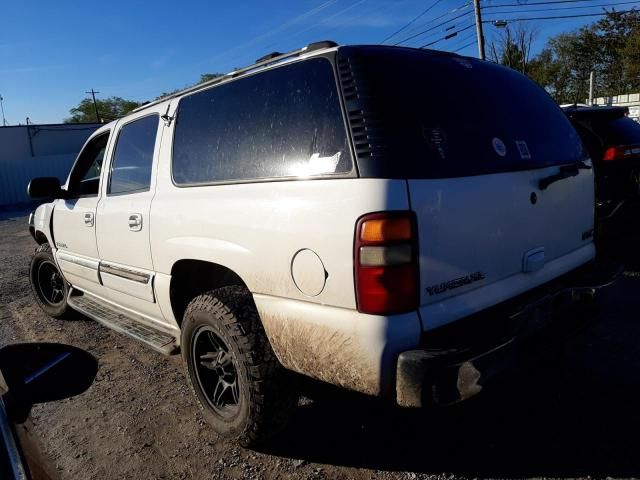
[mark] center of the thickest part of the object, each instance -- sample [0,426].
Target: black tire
[47,283]
[260,402]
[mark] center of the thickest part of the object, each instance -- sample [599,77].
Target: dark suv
[613,142]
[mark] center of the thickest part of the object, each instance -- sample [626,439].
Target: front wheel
[47,283]
[243,391]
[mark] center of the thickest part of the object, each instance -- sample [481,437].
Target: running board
[125,323]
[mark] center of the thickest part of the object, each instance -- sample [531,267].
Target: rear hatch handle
[566,171]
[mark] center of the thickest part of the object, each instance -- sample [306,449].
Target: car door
[74,217]
[122,232]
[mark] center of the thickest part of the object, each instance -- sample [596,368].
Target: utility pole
[4,120]
[591,77]
[479,33]
[95,105]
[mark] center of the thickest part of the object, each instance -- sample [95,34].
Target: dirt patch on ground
[578,416]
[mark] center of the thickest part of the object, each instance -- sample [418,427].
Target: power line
[447,37]
[439,33]
[439,17]
[558,16]
[425,11]
[565,8]
[464,39]
[465,46]
[432,28]
[535,3]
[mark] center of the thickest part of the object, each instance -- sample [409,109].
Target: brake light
[621,152]
[386,263]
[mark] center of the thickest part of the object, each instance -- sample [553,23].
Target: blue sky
[52,52]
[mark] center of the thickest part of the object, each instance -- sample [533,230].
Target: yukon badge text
[458,282]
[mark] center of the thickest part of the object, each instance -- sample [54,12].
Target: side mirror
[43,372]
[44,187]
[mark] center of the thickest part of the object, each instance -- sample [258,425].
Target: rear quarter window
[284,122]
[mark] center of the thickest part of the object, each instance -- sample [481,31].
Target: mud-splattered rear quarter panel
[338,345]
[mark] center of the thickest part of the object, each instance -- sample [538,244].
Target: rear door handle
[135,222]
[88,219]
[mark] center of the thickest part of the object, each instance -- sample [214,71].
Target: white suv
[384,219]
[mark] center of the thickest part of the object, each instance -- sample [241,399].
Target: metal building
[29,151]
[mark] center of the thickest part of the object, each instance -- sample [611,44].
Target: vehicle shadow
[577,414]
[558,421]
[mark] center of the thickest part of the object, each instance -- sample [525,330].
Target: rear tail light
[621,152]
[386,263]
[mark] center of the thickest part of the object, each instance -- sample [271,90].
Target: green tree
[609,47]
[631,60]
[109,109]
[205,77]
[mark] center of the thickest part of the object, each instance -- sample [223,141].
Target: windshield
[447,116]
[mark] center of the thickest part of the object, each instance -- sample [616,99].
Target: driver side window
[85,177]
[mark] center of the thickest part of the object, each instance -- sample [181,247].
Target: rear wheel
[47,283]
[243,391]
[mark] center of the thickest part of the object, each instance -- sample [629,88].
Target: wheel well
[190,278]
[38,236]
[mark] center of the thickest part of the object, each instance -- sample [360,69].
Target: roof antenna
[4,120]
[166,117]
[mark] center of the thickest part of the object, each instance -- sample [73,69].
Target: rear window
[285,122]
[617,131]
[447,116]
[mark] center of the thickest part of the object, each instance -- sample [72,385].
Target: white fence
[631,100]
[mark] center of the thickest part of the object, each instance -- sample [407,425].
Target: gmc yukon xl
[393,221]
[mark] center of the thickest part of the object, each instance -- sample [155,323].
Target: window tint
[133,156]
[285,122]
[442,115]
[85,177]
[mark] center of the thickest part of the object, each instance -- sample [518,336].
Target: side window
[285,122]
[133,156]
[85,176]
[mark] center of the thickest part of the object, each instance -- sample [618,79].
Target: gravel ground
[575,416]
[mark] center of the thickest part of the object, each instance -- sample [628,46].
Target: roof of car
[271,59]
[586,110]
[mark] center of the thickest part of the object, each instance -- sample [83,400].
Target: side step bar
[123,322]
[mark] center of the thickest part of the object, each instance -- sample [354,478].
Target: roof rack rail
[270,58]
[320,45]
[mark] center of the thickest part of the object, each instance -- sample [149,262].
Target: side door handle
[88,219]
[135,222]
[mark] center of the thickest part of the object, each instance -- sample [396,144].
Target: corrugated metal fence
[33,151]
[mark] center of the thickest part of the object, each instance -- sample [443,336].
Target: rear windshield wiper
[566,171]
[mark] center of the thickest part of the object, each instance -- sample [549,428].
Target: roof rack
[268,59]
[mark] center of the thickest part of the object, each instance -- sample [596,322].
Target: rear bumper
[458,361]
